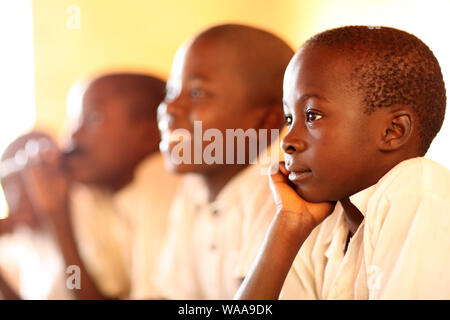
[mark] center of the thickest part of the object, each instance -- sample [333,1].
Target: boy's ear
[397,130]
[148,135]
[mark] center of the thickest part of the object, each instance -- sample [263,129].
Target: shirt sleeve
[103,242]
[259,211]
[300,282]
[407,250]
[176,277]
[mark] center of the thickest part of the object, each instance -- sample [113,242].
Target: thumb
[286,198]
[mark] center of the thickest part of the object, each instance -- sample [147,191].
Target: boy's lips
[298,174]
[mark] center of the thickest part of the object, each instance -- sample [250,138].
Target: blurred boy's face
[205,85]
[108,140]
[330,145]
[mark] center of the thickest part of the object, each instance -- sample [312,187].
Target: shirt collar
[361,198]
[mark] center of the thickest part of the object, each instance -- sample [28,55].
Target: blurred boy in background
[228,77]
[111,221]
[361,214]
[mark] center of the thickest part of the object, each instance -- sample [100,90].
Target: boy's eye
[288,120]
[197,93]
[93,119]
[312,116]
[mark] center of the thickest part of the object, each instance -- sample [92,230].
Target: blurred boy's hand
[5,226]
[8,225]
[291,205]
[46,184]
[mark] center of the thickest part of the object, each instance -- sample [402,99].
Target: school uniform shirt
[400,250]
[211,245]
[119,235]
[32,265]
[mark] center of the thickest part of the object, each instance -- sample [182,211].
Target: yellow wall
[124,34]
[144,35]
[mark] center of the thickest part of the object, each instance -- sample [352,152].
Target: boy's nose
[169,114]
[291,144]
[173,107]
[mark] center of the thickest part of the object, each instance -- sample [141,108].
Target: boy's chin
[311,195]
[183,168]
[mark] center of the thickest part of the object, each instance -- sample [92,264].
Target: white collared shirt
[31,263]
[210,246]
[120,235]
[400,250]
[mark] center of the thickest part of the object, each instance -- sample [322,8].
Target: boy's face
[107,139]
[205,85]
[330,145]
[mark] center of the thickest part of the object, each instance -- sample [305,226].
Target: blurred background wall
[76,38]
[124,35]
[49,44]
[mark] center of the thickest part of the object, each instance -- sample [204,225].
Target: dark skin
[8,293]
[207,85]
[325,119]
[108,145]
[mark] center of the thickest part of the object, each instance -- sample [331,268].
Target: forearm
[266,278]
[66,240]
[7,292]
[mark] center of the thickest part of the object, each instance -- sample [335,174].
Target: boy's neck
[122,181]
[217,179]
[353,217]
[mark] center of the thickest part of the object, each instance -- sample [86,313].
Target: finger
[4,225]
[276,175]
[283,168]
[41,153]
[50,155]
[283,194]
[21,158]
[34,181]
[31,177]
[32,148]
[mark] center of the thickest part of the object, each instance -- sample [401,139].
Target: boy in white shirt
[360,215]
[111,221]
[227,77]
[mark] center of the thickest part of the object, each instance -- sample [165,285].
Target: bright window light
[17,112]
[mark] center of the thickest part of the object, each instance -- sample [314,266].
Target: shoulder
[188,194]
[152,174]
[415,177]
[414,195]
[252,191]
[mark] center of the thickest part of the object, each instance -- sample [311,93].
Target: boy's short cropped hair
[392,67]
[144,91]
[261,59]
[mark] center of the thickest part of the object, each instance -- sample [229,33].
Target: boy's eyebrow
[198,77]
[307,96]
